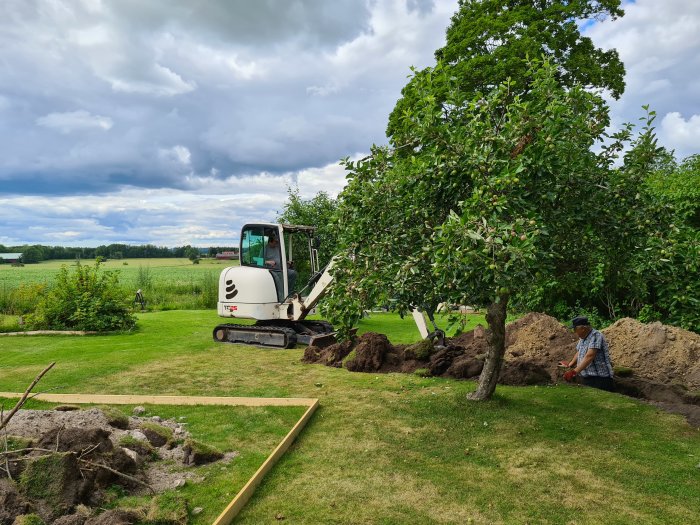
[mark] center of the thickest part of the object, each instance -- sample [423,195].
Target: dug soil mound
[660,353]
[660,363]
[63,465]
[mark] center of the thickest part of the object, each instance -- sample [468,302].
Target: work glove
[569,376]
[563,364]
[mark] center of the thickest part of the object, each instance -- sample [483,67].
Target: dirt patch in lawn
[656,362]
[67,464]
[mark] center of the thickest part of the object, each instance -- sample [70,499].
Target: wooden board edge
[239,501]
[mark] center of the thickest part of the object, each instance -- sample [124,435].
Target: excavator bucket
[323,340]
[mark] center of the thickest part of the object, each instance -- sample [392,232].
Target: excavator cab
[287,252]
[273,258]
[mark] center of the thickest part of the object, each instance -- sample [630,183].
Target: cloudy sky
[176,121]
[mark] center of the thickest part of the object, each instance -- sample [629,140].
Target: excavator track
[277,333]
[268,336]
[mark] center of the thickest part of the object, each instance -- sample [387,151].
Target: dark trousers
[603,383]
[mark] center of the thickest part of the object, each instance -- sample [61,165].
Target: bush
[84,299]
[21,300]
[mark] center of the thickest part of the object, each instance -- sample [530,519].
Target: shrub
[21,300]
[84,299]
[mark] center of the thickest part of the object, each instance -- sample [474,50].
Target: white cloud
[156,80]
[210,212]
[684,134]
[178,154]
[224,104]
[659,43]
[80,120]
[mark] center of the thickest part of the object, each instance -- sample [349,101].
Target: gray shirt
[601,365]
[274,253]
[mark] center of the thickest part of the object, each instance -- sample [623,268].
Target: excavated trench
[657,363]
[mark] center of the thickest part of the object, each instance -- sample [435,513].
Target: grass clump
[422,350]
[141,447]
[348,358]
[14,443]
[46,477]
[198,453]
[169,508]
[622,371]
[28,519]
[422,372]
[115,417]
[158,435]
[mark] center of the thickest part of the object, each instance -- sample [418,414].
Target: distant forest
[37,252]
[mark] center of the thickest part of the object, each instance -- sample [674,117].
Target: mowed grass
[393,448]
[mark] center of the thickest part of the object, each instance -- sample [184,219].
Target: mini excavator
[262,289]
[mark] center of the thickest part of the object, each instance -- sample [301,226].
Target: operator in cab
[273,260]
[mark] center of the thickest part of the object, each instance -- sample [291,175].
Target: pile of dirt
[535,344]
[62,465]
[660,363]
[657,352]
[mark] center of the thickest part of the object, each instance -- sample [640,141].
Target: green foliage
[485,207]
[671,262]
[21,300]
[192,254]
[86,298]
[490,41]
[318,211]
[32,254]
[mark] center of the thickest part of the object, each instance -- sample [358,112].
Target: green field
[163,271]
[391,448]
[167,284]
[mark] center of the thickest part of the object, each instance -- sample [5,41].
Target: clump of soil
[663,362]
[63,465]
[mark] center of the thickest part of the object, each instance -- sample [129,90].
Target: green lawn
[395,449]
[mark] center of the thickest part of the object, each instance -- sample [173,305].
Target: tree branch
[21,402]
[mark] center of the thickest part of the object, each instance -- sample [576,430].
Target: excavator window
[253,247]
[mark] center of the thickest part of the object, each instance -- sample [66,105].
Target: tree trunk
[496,319]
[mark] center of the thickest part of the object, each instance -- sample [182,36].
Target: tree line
[37,252]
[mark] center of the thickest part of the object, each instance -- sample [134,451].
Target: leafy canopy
[487,203]
[490,42]
[318,211]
